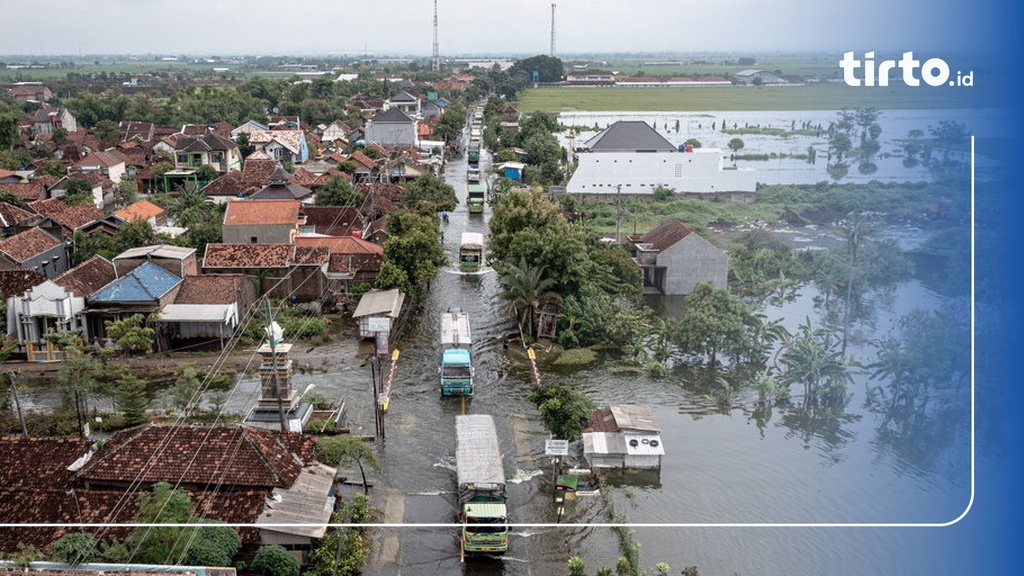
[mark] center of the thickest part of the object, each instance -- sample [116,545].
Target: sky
[477,27]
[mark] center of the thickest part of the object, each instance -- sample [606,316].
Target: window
[253,240]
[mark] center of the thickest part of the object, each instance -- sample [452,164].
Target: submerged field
[709,98]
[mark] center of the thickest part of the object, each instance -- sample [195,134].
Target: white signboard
[555,447]
[379,324]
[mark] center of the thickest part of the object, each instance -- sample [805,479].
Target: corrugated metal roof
[486,510]
[196,313]
[632,417]
[629,135]
[146,283]
[157,251]
[380,302]
[643,445]
[455,329]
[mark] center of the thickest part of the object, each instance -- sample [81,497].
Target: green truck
[481,478]
[476,196]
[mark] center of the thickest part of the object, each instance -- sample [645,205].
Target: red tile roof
[333,220]
[261,212]
[71,218]
[210,289]
[141,210]
[203,456]
[664,236]
[87,277]
[24,245]
[341,244]
[17,281]
[27,191]
[230,184]
[258,170]
[248,255]
[11,215]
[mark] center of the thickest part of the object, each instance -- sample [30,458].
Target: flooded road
[741,490]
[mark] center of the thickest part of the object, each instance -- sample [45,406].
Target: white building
[631,159]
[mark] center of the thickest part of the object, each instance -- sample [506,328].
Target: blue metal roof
[147,283]
[456,356]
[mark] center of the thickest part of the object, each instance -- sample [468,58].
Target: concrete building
[674,259]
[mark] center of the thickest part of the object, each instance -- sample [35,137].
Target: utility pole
[435,63]
[618,212]
[17,404]
[552,29]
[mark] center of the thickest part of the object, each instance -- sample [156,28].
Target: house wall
[263,233]
[180,268]
[639,173]
[392,134]
[690,261]
[52,262]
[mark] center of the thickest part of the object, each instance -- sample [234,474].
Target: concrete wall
[389,134]
[691,261]
[638,174]
[264,234]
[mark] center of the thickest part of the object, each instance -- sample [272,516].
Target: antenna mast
[435,63]
[552,29]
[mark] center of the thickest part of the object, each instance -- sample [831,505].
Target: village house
[178,260]
[233,473]
[29,92]
[207,149]
[674,259]
[48,118]
[392,128]
[35,248]
[281,145]
[261,222]
[100,162]
[405,102]
[281,187]
[56,304]
[208,309]
[352,261]
[143,210]
[623,436]
[282,270]
[144,290]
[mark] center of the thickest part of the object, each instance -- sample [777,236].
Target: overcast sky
[280,27]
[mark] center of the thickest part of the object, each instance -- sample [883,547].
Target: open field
[720,98]
[818,66]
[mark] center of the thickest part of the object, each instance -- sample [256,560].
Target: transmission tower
[552,29]
[435,63]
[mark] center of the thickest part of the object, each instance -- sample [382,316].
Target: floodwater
[706,127]
[742,490]
[727,471]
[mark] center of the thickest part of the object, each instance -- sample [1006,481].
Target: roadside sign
[379,324]
[556,447]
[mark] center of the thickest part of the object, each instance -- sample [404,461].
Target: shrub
[274,561]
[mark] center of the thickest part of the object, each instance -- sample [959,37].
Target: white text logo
[934,71]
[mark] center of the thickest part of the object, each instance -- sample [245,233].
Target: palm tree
[190,206]
[526,289]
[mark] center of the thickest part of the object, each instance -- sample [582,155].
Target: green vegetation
[274,561]
[347,450]
[343,550]
[564,410]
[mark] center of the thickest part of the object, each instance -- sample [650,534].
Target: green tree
[548,69]
[429,194]
[565,411]
[131,334]
[735,144]
[347,450]
[185,393]
[126,192]
[74,548]
[274,561]
[526,289]
[393,276]
[343,552]
[208,543]
[338,191]
[52,168]
[77,191]
[692,142]
[131,399]
[715,322]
